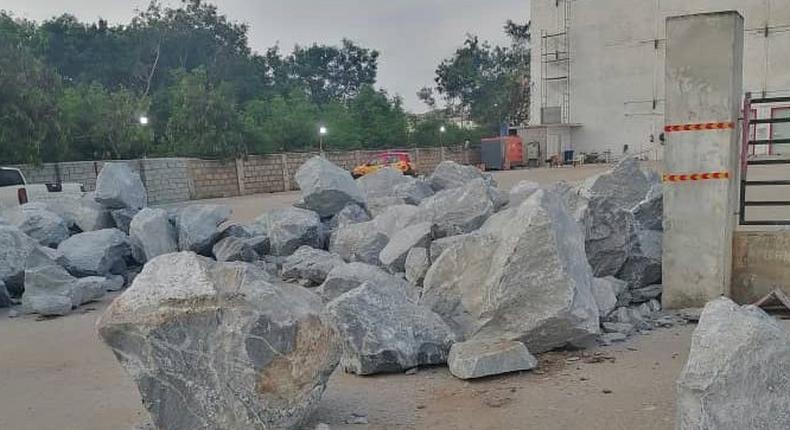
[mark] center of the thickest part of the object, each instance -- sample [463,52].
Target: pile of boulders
[380,274]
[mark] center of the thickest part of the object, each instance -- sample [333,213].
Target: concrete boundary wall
[170,180]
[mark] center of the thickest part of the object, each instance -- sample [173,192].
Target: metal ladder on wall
[555,54]
[748,143]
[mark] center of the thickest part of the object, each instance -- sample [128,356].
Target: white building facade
[598,72]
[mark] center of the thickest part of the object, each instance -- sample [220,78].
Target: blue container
[568,156]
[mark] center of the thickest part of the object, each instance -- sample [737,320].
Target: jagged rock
[626,185]
[607,236]
[80,213]
[236,230]
[290,228]
[382,183]
[123,218]
[522,191]
[15,248]
[615,327]
[198,227]
[96,253]
[41,224]
[326,188]
[393,256]
[645,294]
[523,276]
[642,266]
[655,305]
[438,246]
[118,187]
[378,205]
[417,265]
[449,174]
[265,351]
[260,244]
[458,210]
[115,282]
[311,264]
[5,297]
[152,234]
[736,373]
[51,291]
[346,277]
[351,214]
[361,242]
[649,213]
[413,192]
[498,198]
[477,359]
[395,218]
[384,330]
[234,249]
[605,295]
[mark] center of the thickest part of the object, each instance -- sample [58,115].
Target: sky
[413,36]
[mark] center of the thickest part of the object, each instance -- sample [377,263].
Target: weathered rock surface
[608,230]
[642,266]
[15,248]
[382,182]
[96,253]
[626,185]
[521,191]
[395,218]
[123,218]
[477,359]
[449,174]
[378,205]
[361,242]
[51,291]
[290,228]
[5,296]
[417,264]
[198,227]
[523,276]
[736,373]
[118,187]
[234,249]
[414,191]
[351,214]
[310,264]
[326,188]
[645,294]
[265,351]
[151,234]
[344,278]
[41,224]
[605,294]
[384,330]
[649,213]
[393,256]
[260,244]
[438,246]
[458,210]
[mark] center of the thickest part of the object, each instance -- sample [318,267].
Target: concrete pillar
[704,70]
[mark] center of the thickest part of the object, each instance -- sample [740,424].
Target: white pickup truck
[15,191]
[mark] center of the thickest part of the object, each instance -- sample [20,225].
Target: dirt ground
[56,375]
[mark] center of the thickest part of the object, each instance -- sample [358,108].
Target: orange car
[396,160]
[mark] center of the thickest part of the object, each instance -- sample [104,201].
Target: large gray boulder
[416,266]
[608,229]
[393,256]
[234,249]
[346,277]
[15,248]
[649,213]
[458,210]
[123,218]
[477,359]
[449,174]
[361,242]
[96,253]
[382,183]
[51,291]
[152,234]
[290,228]
[395,218]
[438,246]
[413,192]
[605,293]
[198,227]
[384,330]
[642,266]
[326,188]
[218,346]
[521,191]
[736,373]
[626,185]
[310,264]
[351,214]
[41,224]
[118,187]
[523,276]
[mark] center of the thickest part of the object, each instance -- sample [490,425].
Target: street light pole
[322,131]
[442,130]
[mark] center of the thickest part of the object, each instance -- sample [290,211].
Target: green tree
[102,124]
[204,118]
[29,130]
[490,83]
[381,120]
[284,123]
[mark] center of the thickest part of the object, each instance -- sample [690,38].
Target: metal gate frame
[748,142]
